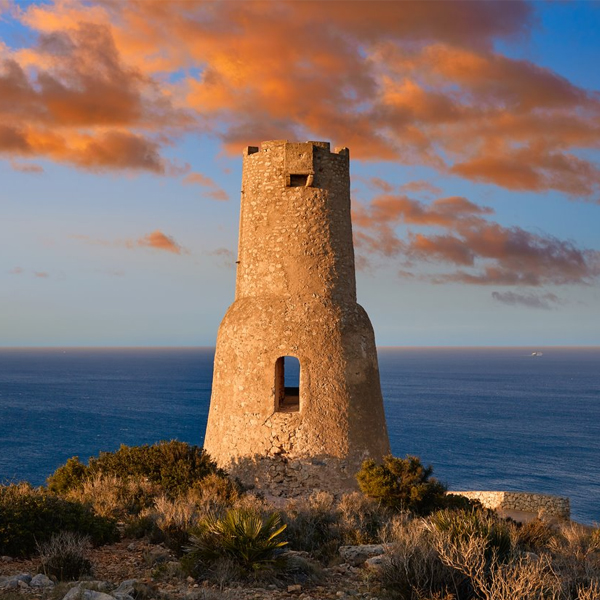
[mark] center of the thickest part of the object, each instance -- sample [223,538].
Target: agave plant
[242,536]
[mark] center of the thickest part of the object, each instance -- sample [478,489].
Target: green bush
[32,515]
[402,484]
[68,477]
[241,537]
[175,466]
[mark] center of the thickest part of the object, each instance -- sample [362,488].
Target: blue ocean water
[485,418]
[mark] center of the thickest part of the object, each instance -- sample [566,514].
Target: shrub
[313,525]
[521,577]
[68,477]
[32,515]
[402,484]
[112,496]
[241,537]
[64,556]
[215,493]
[576,557]
[535,535]
[361,519]
[595,540]
[143,526]
[493,533]
[174,519]
[174,465]
[411,568]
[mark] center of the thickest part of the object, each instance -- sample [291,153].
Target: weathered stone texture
[542,504]
[296,296]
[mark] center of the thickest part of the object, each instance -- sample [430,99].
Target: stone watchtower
[296,303]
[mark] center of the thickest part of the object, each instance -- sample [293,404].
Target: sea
[484,418]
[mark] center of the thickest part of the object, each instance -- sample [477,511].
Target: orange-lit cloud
[199,179]
[213,191]
[41,274]
[414,82]
[71,99]
[470,248]
[16,271]
[160,241]
[156,240]
[417,187]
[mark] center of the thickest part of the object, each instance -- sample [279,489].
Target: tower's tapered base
[339,421]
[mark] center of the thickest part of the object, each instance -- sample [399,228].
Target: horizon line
[382,347]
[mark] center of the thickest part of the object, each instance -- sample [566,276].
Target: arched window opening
[287,384]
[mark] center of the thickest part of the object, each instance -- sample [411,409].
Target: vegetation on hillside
[173,466]
[30,516]
[436,548]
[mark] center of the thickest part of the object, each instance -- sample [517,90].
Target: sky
[474,137]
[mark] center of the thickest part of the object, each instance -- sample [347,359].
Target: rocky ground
[138,569]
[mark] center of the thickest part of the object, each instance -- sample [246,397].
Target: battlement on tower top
[297,164]
[272,145]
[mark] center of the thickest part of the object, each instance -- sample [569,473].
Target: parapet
[299,146]
[298,164]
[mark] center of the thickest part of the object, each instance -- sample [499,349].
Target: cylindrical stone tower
[296,299]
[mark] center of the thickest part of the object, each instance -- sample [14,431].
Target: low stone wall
[539,504]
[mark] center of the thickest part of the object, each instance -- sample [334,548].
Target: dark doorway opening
[287,384]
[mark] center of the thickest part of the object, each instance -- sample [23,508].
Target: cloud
[199,179]
[41,274]
[24,167]
[220,195]
[5,6]
[226,257]
[160,241]
[16,271]
[78,103]
[381,185]
[545,301]
[534,169]
[413,82]
[420,186]
[214,191]
[156,240]
[471,248]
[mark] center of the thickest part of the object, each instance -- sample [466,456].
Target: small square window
[298,181]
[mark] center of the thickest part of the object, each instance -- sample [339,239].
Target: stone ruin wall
[538,504]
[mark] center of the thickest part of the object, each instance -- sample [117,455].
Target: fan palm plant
[241,536]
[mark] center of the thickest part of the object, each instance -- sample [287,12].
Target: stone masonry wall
[553,506]
[296,296]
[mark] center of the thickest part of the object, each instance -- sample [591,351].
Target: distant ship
[537,354]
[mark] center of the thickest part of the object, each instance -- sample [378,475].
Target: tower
[295,302]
